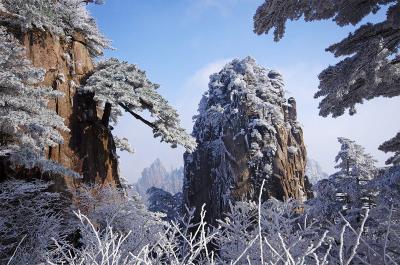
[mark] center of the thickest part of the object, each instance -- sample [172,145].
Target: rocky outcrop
[157,176]
[247,133]
[161,201]
[88,147]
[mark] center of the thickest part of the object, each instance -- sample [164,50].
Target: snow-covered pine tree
[356,169]
[121,86]
[354,162]
[123,144]
[27,126]
[372,65]
[347,188]
[63,18]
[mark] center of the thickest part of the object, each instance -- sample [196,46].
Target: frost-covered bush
[116,230]
[371,64]
[180,242]
[266,231]
[62,18]
[273,232]
[111,207]
[27,125]
[121,86]
[30,218]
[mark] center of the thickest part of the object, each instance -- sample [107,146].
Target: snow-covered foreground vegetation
[352,220]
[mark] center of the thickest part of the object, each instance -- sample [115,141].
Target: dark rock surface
[246,132]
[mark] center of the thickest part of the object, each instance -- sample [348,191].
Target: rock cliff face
[246,132]
[88,148]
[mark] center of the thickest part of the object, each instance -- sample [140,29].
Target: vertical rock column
[246,132]
[89,147]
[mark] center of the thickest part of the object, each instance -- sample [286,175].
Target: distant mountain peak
[157,176]
[314,171]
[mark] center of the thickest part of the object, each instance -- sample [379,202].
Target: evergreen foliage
[27,126]
[122,86]
[371,67]
[63,18]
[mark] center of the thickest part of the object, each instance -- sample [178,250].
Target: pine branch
[137,116]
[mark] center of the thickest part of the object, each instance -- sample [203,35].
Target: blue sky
[179,43]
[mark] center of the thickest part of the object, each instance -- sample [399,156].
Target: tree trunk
[106,115]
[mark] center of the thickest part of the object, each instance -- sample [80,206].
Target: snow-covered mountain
[157,176]
[314,171]
[247,134]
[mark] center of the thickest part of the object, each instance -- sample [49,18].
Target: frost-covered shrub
[27,125]
[271,233]
[30,218]
[121,86]
[181,242]
[111,207]
[62,18]
[116,230]
[279,226]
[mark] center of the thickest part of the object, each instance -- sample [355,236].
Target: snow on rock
[161,201]
[246,132]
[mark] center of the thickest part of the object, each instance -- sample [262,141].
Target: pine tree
[121,86]
[353,162]
[371,67]
[27,125]
[63,18]
[347,188]
[356,169]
